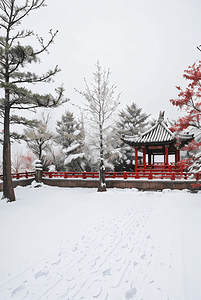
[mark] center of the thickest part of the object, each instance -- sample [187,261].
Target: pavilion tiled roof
[159,133]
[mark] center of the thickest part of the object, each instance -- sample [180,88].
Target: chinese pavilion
[158,140]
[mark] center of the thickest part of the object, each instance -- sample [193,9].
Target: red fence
[142,173]
[21,175]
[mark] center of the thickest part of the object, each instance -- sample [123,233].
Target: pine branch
[33,78]
[16,136]
[15,119]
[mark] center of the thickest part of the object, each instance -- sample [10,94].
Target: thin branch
[33,6]
[199,47]
[44,47]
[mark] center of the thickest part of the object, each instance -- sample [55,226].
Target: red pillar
[144,158]
[178,155]
[136,159]
[166,155]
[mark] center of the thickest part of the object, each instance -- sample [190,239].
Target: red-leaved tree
[189,101]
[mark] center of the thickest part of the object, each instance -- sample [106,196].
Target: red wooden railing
[21,175]
[142,173]
[158,172]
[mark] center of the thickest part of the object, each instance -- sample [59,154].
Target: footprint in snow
[40,274]
[107,272]
[129,295]
[56,263]
[20,292]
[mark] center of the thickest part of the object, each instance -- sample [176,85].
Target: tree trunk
[40,151]
[8,190]
[102,184]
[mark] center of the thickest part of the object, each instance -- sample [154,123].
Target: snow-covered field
[73,244]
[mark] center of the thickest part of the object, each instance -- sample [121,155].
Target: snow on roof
[156,134]
[159,132]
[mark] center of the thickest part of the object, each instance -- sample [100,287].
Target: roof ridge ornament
[161,116]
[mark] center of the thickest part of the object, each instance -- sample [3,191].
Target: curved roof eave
[159,134]
[151,143]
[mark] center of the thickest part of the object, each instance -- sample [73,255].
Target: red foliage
[192,146]
[185,163]
[190,99]
[28,160]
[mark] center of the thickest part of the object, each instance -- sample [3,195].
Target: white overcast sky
[146,44]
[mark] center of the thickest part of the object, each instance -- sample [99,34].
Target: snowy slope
[61,243]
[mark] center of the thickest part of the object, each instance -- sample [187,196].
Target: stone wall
[21,182]
[144,185]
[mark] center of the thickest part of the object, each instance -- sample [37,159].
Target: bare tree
[39,138]
[14,56]
[101,105]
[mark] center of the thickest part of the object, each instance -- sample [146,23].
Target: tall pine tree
[15,55]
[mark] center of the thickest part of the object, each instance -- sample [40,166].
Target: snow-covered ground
[73,244]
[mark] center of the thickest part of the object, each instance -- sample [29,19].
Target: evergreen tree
[66,128]
[132,121]
[15,55]
[70,135]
